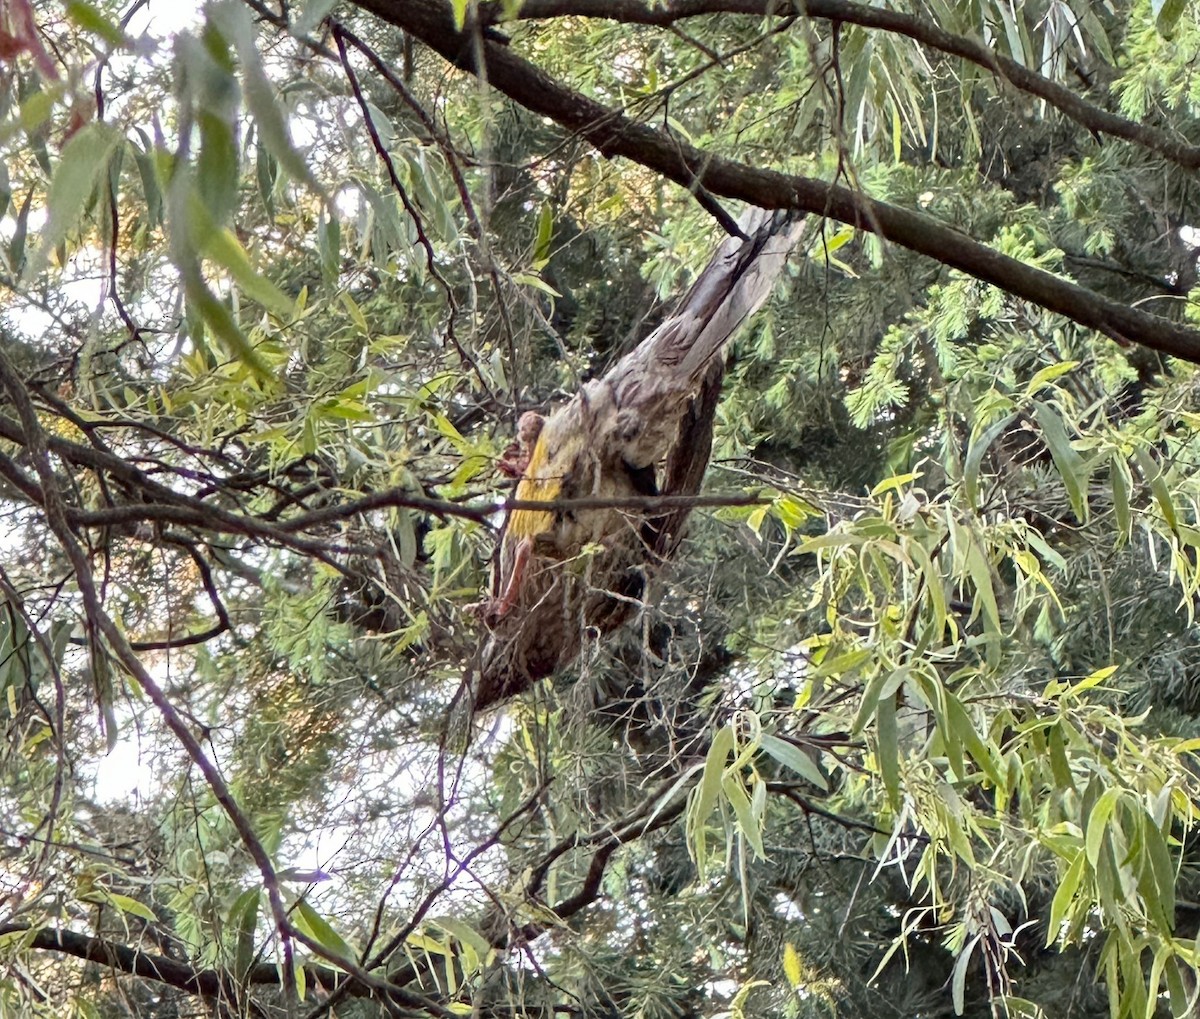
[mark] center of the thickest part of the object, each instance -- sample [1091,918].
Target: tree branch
[615,134]
[101,624]
[139,963]
[639,12]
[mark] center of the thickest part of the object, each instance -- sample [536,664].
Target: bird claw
[513,461]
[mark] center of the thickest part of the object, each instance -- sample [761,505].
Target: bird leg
[494,608]
[516,573]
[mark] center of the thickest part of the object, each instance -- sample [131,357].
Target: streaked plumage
[645,427]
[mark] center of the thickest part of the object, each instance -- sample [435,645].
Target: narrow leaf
[1069,463]
[83,161]
[975,456]
[1063,897]
[318,928]
[791,756]
[1166,15]
[887,734]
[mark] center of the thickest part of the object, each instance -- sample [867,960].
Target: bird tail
[676,356]
[735,284]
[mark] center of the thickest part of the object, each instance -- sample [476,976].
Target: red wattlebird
[644,429]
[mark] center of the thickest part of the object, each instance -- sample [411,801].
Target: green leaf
[1048,374]
[16,247]
[355,312]
[895,482]
[830,540]
[1097,823]
[844,664]
[310,922]
[880,685]
[975,455]
[83,161]
[959,722]
[266,175]
[405,535]
[131,906]
[887,734]
[981,578]
[958,978]
[1153,476]
[466,934]
[222,246]
[1160,872]
[1166,15]
[1176,988]
[1154,979]
[1063,898]
[1060,765]
[530,280]
[234,21]
[144,158]
[217,165]
[827,244]
[748,824]
[714,772]
[896,133]
[791,756]
[1122,482]
[1093,679]
[243,917]
[91,20]
[1070,464]
[221,321]
[545,233]
[328,244]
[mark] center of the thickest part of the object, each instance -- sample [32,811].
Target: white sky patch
[788,909]
[83,282]
[166,18]
[349,203]
[90,291]
[125,774]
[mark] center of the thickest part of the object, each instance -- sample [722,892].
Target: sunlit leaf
[791,756]
[319,929]
[83,161]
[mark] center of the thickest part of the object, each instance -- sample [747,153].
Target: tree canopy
[905,725]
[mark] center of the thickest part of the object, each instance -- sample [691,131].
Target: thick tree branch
[641,12]
[139,963]
[615,134]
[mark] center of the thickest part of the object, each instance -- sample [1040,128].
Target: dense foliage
[906,727]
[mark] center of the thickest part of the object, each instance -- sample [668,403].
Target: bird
[643,429]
